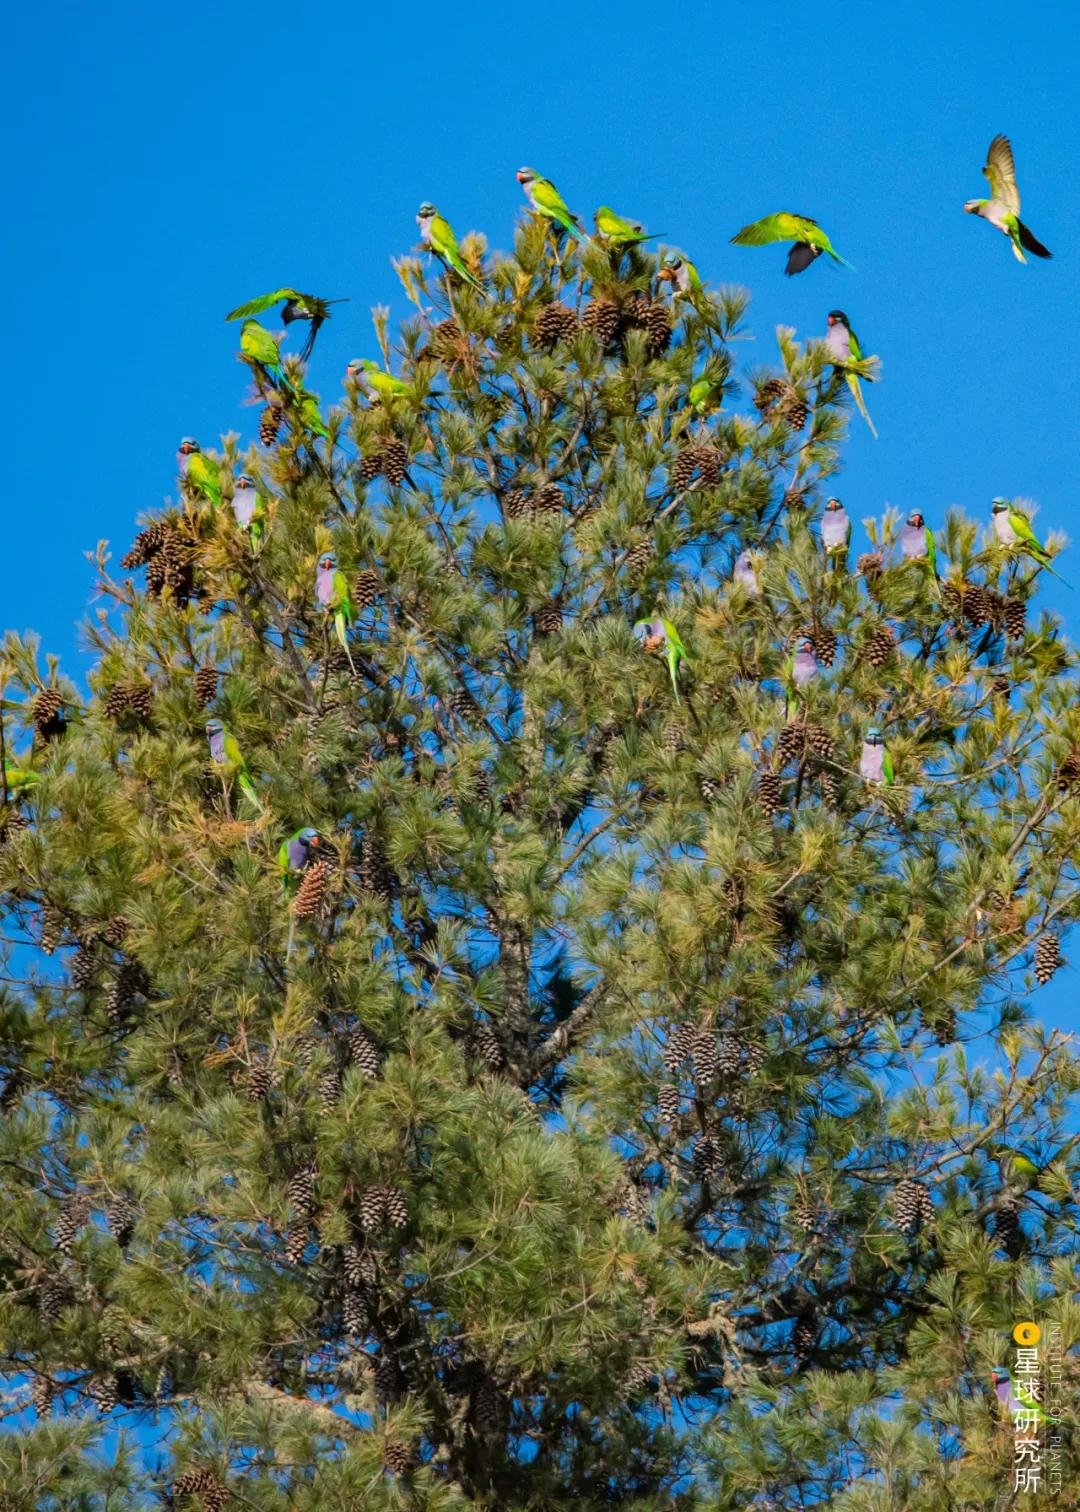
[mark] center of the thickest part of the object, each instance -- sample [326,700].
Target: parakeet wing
[887,767]
[855,348]
[341,592]
[1000,170]
[257,343]
[232,751]
[673,637]
[780,227]
[547,197]
[442,235]
[1022,527]
[264,302]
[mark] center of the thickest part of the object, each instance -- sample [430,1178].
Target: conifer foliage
[596,1119]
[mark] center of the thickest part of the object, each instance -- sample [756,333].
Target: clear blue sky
[174,160]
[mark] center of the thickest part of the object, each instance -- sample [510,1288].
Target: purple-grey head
[243,481]
[805,647]
[525,176]
[837,317]
[309,836]
[214,727]
[915,520]
[874,736]
[1000,505]
[426,211]
[832,505]
[188,445]
[327,562]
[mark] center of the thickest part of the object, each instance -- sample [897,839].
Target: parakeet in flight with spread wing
[1002,209]
[617,231]
[810,240]
[875,763]
[438,234]
[297,306]
[200,472]
[661,635]
[332,593]
[546,200]
[1013,529]
[225,751]
[847,356]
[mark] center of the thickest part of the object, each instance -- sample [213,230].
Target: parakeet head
[806,647]
[188,445]
[916,520]
[673,261]
[309,836]
[214,727]
[525,176]
[833,506]
[1000,505]
[837,317]
[742,561]
[328,561]
[999,1376]
[874,736]
[426,211]
[971,207]
[243,481]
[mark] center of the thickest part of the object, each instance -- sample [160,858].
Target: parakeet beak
[520,176]
[970,206]
[832,320]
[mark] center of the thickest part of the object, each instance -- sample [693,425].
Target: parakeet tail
[1032,243]
[248,787]
[339,627]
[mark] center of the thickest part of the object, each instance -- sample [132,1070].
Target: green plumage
[620,232]
[444,244]
[204,475]
[17,779]
[784,226]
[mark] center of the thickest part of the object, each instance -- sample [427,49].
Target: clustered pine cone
[374,872]
[363,1052]
[700,461]
[667,1102]
[870,566]
[604,319]
[74,1211]
[206,685]
[312,890]
[138,698]
[555,322]
[654,319]
[204,1483]
[121,1216]
[824,641]
[769,394]
[1015,618]
[768,791]
[1068,775]
[47,714]
[270,424]
[880,646]
[549,618]
[381,1205]
[1048,958]
[912,1206]
[168,553]
[389,460]
[366,585]
[795,410]
[790,743]
[128,983]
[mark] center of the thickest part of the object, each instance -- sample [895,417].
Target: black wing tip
[1031,243]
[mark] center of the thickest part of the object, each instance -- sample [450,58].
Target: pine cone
[820,742]
[41,1395]
[769,394]
[795,411]
[141,699]
[486,1408]
[824,641]
[116,701]
[370,466]
[296,1243]
[260,1079]
[704,1053]
[373,1207]
[53,1296]
[47,714]
[804,1215]
[516,504]
[83,967]
[121,1216]
[1015,618]
[74,1211]
[363,1052]
[678,1046]
[977,604]
[880,646]
[300,1192]
[604,319]
[638,557]
[756,1056]
[804,1337]
[1048,958]
[667,1103]
[555,323]
[794,497]
[397,1209]
[52,929]
[912,1205]
[201,1483]
[311,894]
[461,702]
[1001,687]
[395,461]
[768,792]
[705,1158]
[444,343]
[146,544]
[397,1458]
[1007,1229]
[671,737]
[828,787]
[114,931]
[1068,775]
[206,685]
[683,469]
[128,983]
[329,1090]
[366,587]
[711,788]
[870,566]
[103,1393]
[487,1047]
[790,743]
[270,424]
[548,619]
[375,873]
[387,1379]
[357,1267]
[655,321]
[732,1053]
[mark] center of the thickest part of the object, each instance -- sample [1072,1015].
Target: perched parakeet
[546,200]
[801,670]
[617,231]
[295,853]
[917,541]
[681,274]
[844,349]
[743,572]
[297,306]
[810,240]
[310,417]
[1011,1394]
[438,234]
[1013,529]
[332,592]
[201,472]
[17,779]
[1016,1167]
[249,508]
[706,394]
[1002,209]
[661,635]
[225,751]
[875,763]
[375,383]
[835,526]
[261,352]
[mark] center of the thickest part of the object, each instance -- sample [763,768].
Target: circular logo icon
[1027,1333]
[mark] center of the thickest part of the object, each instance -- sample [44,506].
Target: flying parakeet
[1013,529]
[297,306]
[438,234]
[844,348]
[261,352]
[546,200]
[810,240]
[249,509]
[801,670]
[681,274]
[743,572]
[661,635]
[835,526]
[1002,209]
[875,763]
[17,779]
[376,384]
[1011,1394]
[201,472]
[617,231]
[332,592]
[225,751]
[917,541]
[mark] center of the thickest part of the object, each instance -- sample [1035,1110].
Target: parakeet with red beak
[297,852]
[661,635]
[296,306]
[835,526]
[810,240]
[438,234]
[227,754]
[546,200]
[1013,529]
[332,593]
[1002,209]
[249,509]
[801,670]
[200,472]
[847,357]
[917,541]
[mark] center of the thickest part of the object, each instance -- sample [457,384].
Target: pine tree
[551,1141]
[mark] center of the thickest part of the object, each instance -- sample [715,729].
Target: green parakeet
[200,472]
[810,240]
[296,306]
[332,593]
[438,234]
[706,394]
[261,352]
[310,417]
[1002,209]
[1013,529]
[375,383]
[546,200]
[1016,1167]
[844,348]
[17,779]
[620,232]
[227,754]
[661,635]
[684,278]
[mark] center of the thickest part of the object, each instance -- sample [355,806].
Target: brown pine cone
[1015,618]
[1068,775]
[825,642]
[146,544]
[769,394]
[655,321]
[790,743]
[370,466]
[397,1458]
[880,646]
[548,619]
[870,566]
[47,714]
[1048,958]
[395,461]
[311,893]
[206,685]
[795,411]
[548,499]
[141,699]
[604,319]
[638,557]
[768,791]
[820,742]
[977,604]
[555,323]
[516,504]
[366,586]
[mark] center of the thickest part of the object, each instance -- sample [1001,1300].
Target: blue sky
[175,160]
